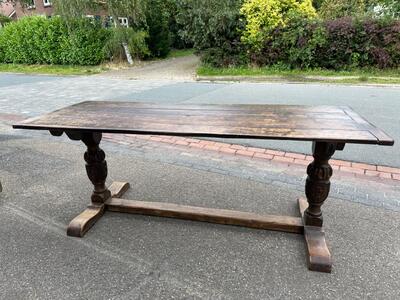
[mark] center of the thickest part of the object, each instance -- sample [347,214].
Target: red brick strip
[263,154]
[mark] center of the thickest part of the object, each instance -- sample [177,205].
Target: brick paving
[264,154]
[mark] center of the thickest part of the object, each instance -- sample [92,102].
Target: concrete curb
[294,80]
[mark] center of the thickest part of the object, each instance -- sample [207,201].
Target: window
[46,3]
[123,22]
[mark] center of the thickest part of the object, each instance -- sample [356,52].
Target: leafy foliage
[333,9]
[136,43]
[263,16]
[157,19]
[333,44]
[72,9]
[384,8]
[292,46]
[34,40]
[213,27]
[4,20]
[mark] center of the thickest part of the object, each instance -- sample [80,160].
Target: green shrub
[83,42]
[213,27]
[334,9]
[384,8]
[218,57]
[174,27]
[263,16]
[157,19]
[295,45]
[136,43]
[333,44]
[4,20]
[28,41]
[37,40]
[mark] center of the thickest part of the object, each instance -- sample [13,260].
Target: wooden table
[328,127]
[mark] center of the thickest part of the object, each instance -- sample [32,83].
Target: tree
[157,19]
[132,9]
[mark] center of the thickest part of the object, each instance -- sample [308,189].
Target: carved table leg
[317,190]
[317,183]
[96,169]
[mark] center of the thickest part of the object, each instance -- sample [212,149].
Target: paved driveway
[34,95]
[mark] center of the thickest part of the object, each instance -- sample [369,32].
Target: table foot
[318,258]
[118,189]
[82,223]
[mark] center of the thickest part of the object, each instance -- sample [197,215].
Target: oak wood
[318,258]
[83,222]
[318,183]
[118,189]
[285,122]
[212,215]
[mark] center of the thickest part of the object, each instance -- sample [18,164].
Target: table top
[283,122]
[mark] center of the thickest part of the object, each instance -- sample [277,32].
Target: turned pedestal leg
[317,190]
[96,169]
[317,183]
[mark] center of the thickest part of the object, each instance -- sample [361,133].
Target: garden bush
[295,45]
[263,16]
[213,27]
[333,44]
[83,42]
[136,41]
[37,40]
[334,9]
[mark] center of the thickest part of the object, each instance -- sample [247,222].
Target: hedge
[38,40]
[333,44]
[262,16]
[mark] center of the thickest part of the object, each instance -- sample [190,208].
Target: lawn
[74,70]
[391,76]
[52,69]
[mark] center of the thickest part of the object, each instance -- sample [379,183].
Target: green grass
[52,69]
[180,53]
[391,76]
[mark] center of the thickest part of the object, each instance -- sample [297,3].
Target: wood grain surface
[285,122]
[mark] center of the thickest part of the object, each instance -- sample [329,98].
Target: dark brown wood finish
[202,214]
[318,258]
[330,128]
[317,183]
[320,123]
[83,222]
